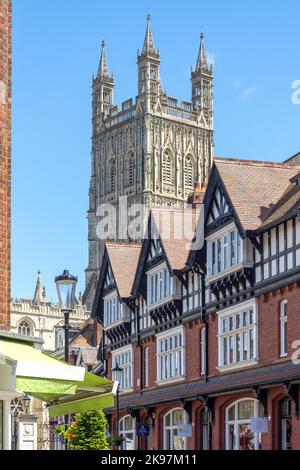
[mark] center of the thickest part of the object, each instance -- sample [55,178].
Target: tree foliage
[87,432]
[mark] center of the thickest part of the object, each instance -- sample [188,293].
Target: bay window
[224,251]
[159,285]
[113,310]
[237,335]
[170,355]
[124,359]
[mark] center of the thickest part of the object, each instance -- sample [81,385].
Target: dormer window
[160,285]
[225,250]
[113,310]
[296,180]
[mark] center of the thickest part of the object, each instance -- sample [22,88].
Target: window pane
[231,413]
[246,409]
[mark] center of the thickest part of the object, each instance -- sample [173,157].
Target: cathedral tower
[152,149]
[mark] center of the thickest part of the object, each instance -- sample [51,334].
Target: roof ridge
[258,163]
[122,244]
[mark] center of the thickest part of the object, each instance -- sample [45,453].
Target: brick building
[208,339]
[5,157]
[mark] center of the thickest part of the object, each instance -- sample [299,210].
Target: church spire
[148,47]
[38,294]
[103,67]
[202,59]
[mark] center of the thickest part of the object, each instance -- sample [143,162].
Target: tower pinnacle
[148,46]
[202,59]
[103,67]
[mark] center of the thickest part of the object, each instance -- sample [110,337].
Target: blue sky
[56,46]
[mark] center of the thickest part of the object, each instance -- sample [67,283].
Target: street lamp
[26,401]
[117,376]
[66,288]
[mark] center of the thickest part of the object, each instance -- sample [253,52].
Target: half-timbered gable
[113,305]
[278,260]
[157,286]
[229,252]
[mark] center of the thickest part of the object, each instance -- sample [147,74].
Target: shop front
[66,389]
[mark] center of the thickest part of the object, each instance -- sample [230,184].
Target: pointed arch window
[167,168]
[24,328]
[188,173]
[112,176]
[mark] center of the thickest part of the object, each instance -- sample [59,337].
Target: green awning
[66,389]
[79,404]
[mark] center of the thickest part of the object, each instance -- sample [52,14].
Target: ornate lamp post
[117,376]
[26,401]
[66,288]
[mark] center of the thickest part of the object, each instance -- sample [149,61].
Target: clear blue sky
[255,46]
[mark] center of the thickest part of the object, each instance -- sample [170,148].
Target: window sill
[234,268]
[170,381]
[242,365]
[162,302]
[127,390]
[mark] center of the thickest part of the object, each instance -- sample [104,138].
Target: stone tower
[5,157]
[152,149]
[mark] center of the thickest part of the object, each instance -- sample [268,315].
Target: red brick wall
[5,158]
[269,326]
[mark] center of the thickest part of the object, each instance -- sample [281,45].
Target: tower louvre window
[188,173]
[167,168]
[112,176]
[131,170]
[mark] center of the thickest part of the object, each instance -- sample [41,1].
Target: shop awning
[66,389]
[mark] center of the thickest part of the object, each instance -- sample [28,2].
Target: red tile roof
[123,259]
[254,187]
[176,228]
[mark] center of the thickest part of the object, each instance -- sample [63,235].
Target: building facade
[208,340]
[5,157]
[40,318]
[152,149]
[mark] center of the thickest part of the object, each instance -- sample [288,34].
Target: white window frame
[174,427]
[283,325]
[125,432]
[236,422]
[169,355]
[229,315]
[203,351]
[240,252]
[108,312]
[128,367]
[164,291]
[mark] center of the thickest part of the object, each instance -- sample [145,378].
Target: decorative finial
[103,43]
[201,36]
[148,17]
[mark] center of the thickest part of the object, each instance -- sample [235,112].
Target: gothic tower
[152,149]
